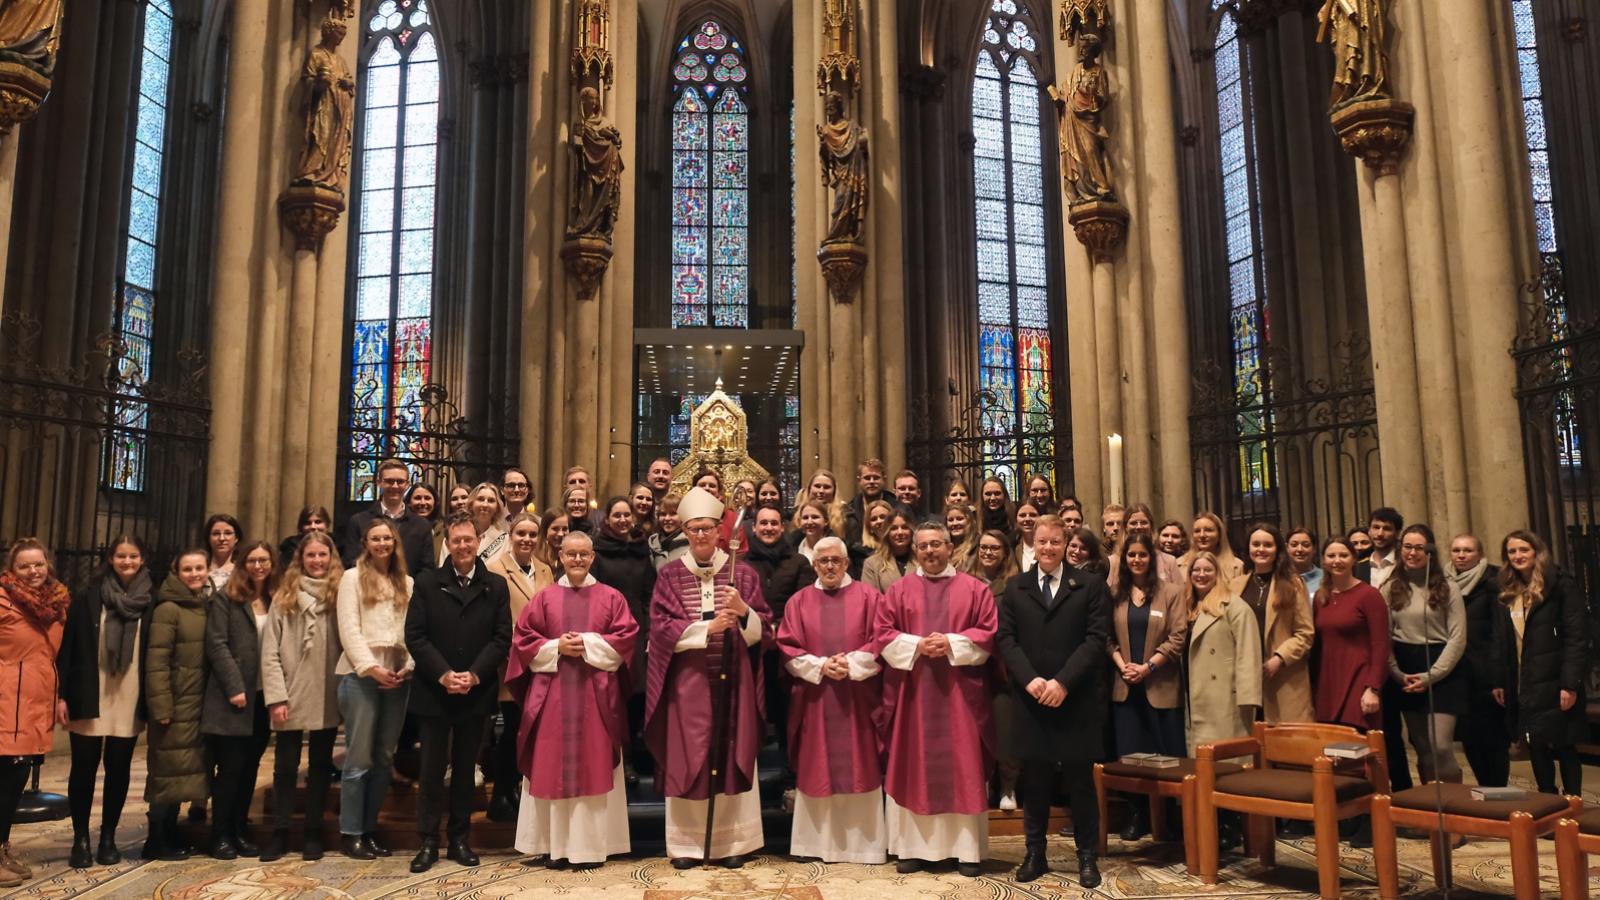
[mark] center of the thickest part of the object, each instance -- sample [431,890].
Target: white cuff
[598,653]
[548,657]
[694,637]
[808,667]
[863,665]
[901,652]
[963,652]
[752,628]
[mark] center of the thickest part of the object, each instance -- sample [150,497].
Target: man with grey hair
[828,641]
[937,630]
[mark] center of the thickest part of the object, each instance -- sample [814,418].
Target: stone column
[8,182]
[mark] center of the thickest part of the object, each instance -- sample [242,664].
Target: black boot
[1138,824]
[221,847]
[1033,865]
[1088,869]
[503,808]
[355,847]
[243,844]
[107,854]
[80,857]
[277,846]
[376,846]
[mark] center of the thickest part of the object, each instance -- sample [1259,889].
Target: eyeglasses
[577,554]
[259,563]
[1414,548]
[513,487]
[828,561]
[700,529]
[396,482]
[930,545]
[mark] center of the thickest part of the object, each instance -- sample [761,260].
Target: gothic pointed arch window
[710,180]
[136,303]
[1248,325]
[1014,344]
[391,346]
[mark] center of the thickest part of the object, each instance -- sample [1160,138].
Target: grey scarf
[124,608]
[1466,581]
[312,590]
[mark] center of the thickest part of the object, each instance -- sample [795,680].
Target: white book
[1347,750]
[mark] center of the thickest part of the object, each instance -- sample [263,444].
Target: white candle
[1114,443]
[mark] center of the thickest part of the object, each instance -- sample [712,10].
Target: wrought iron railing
[985,440]
[60,427]
[1558,401]
[1304,454]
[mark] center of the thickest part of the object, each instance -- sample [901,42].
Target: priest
[828,638]
[937,629]
[708,628]
[569,655]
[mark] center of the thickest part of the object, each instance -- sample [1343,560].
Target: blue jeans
[372,720]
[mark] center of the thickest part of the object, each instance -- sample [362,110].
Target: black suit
[1064,639]
[416,538]
[454,628]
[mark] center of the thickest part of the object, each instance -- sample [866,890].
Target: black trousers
[286,770]
[87,752]
[1394,741]
[238,761]
[507,779]
[453,742]
[1486,740]
[1545,757]
[14,774]
[1038,789]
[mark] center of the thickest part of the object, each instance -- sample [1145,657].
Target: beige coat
[1224,663]
[1166,634]
[520,588]
[1287,696]
[300,675]
[880,573]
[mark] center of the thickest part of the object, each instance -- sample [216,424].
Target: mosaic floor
[1482,868]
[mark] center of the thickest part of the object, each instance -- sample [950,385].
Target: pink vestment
[941,731]
[575,719]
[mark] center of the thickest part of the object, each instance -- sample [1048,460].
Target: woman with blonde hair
[488,509]
[1277,596]
[1542,634]
[823,490]
[1223,665]
[878,513]
[893,558]
[374,682]
[958,520]
[1208,535]
[300,653]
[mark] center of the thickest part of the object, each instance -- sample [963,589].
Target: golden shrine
[719,437]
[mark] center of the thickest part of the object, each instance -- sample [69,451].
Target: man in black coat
[1054,621]
[416,533]
[458,629]
[1483,731]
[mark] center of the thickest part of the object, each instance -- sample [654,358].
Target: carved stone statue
[596,171]
[30,33]
[845,170]
[1358,34]
[1087,164]
[330,104]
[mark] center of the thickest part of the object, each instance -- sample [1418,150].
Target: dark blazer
[783,573]
[78,660]
[416,538]
[454,629]
[233,656]
[1555,651]
[1065,641]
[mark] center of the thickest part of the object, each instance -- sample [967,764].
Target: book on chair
[1347,750]
[1499,793]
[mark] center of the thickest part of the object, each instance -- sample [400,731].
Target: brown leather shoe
[7,861]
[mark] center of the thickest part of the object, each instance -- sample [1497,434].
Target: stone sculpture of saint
[1357,31]
[596,171]
[1088,172]
[30,33]
[330,104]
[844,170]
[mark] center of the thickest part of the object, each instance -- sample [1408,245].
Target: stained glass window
[391,348]
[136,307]
[710,181]
[1013,306]
[1242,225]
[1568,446]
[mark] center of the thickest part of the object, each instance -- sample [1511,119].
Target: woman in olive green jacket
[175,682]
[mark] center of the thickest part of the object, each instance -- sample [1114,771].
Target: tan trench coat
[1287,697]
[1224,667]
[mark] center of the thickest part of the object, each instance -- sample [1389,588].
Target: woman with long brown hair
[893,558]
[1542,633]
[300,653]
[1352,654]
[1428,637]
[374,674]
[1277,596]
[234,715]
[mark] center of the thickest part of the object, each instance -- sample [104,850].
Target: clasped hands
[1048,692]
[1133,673]
[935,645]
[836,667]
[570,644]
[733,609]
[458,682]
[387,680]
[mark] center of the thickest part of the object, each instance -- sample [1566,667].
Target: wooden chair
[1519,821]
[1280,786]
[1577,836]
[1158,784]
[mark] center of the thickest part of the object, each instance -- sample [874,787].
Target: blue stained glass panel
[689,206]
[143,211]
[372,296]
[152,123]
[416,251]
[1029,224]
[422,124]
[377,209]
[422,83]
[378,165]
[420,166]
[732,208]
[383,84]
[989,177]
[730,170]
[382,127]
[689,245]
[991,220]
[416,296]
[730,285]
[731,247]
[376,258]
[689,169]
[416,207]
[141,265]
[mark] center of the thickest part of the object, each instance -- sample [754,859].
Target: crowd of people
[674,634]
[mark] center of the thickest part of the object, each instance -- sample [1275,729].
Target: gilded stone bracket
[310,212]
[1375,130]
[1101,226]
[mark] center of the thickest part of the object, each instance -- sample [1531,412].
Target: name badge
[1157,614]
[1516,614]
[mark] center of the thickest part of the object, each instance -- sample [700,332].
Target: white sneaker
[1008,802]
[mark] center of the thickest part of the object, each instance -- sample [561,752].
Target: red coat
[28,685]
[1352,653]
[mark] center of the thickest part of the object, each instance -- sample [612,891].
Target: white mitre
[699,504]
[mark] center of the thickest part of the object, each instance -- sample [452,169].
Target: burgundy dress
[1352,652]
